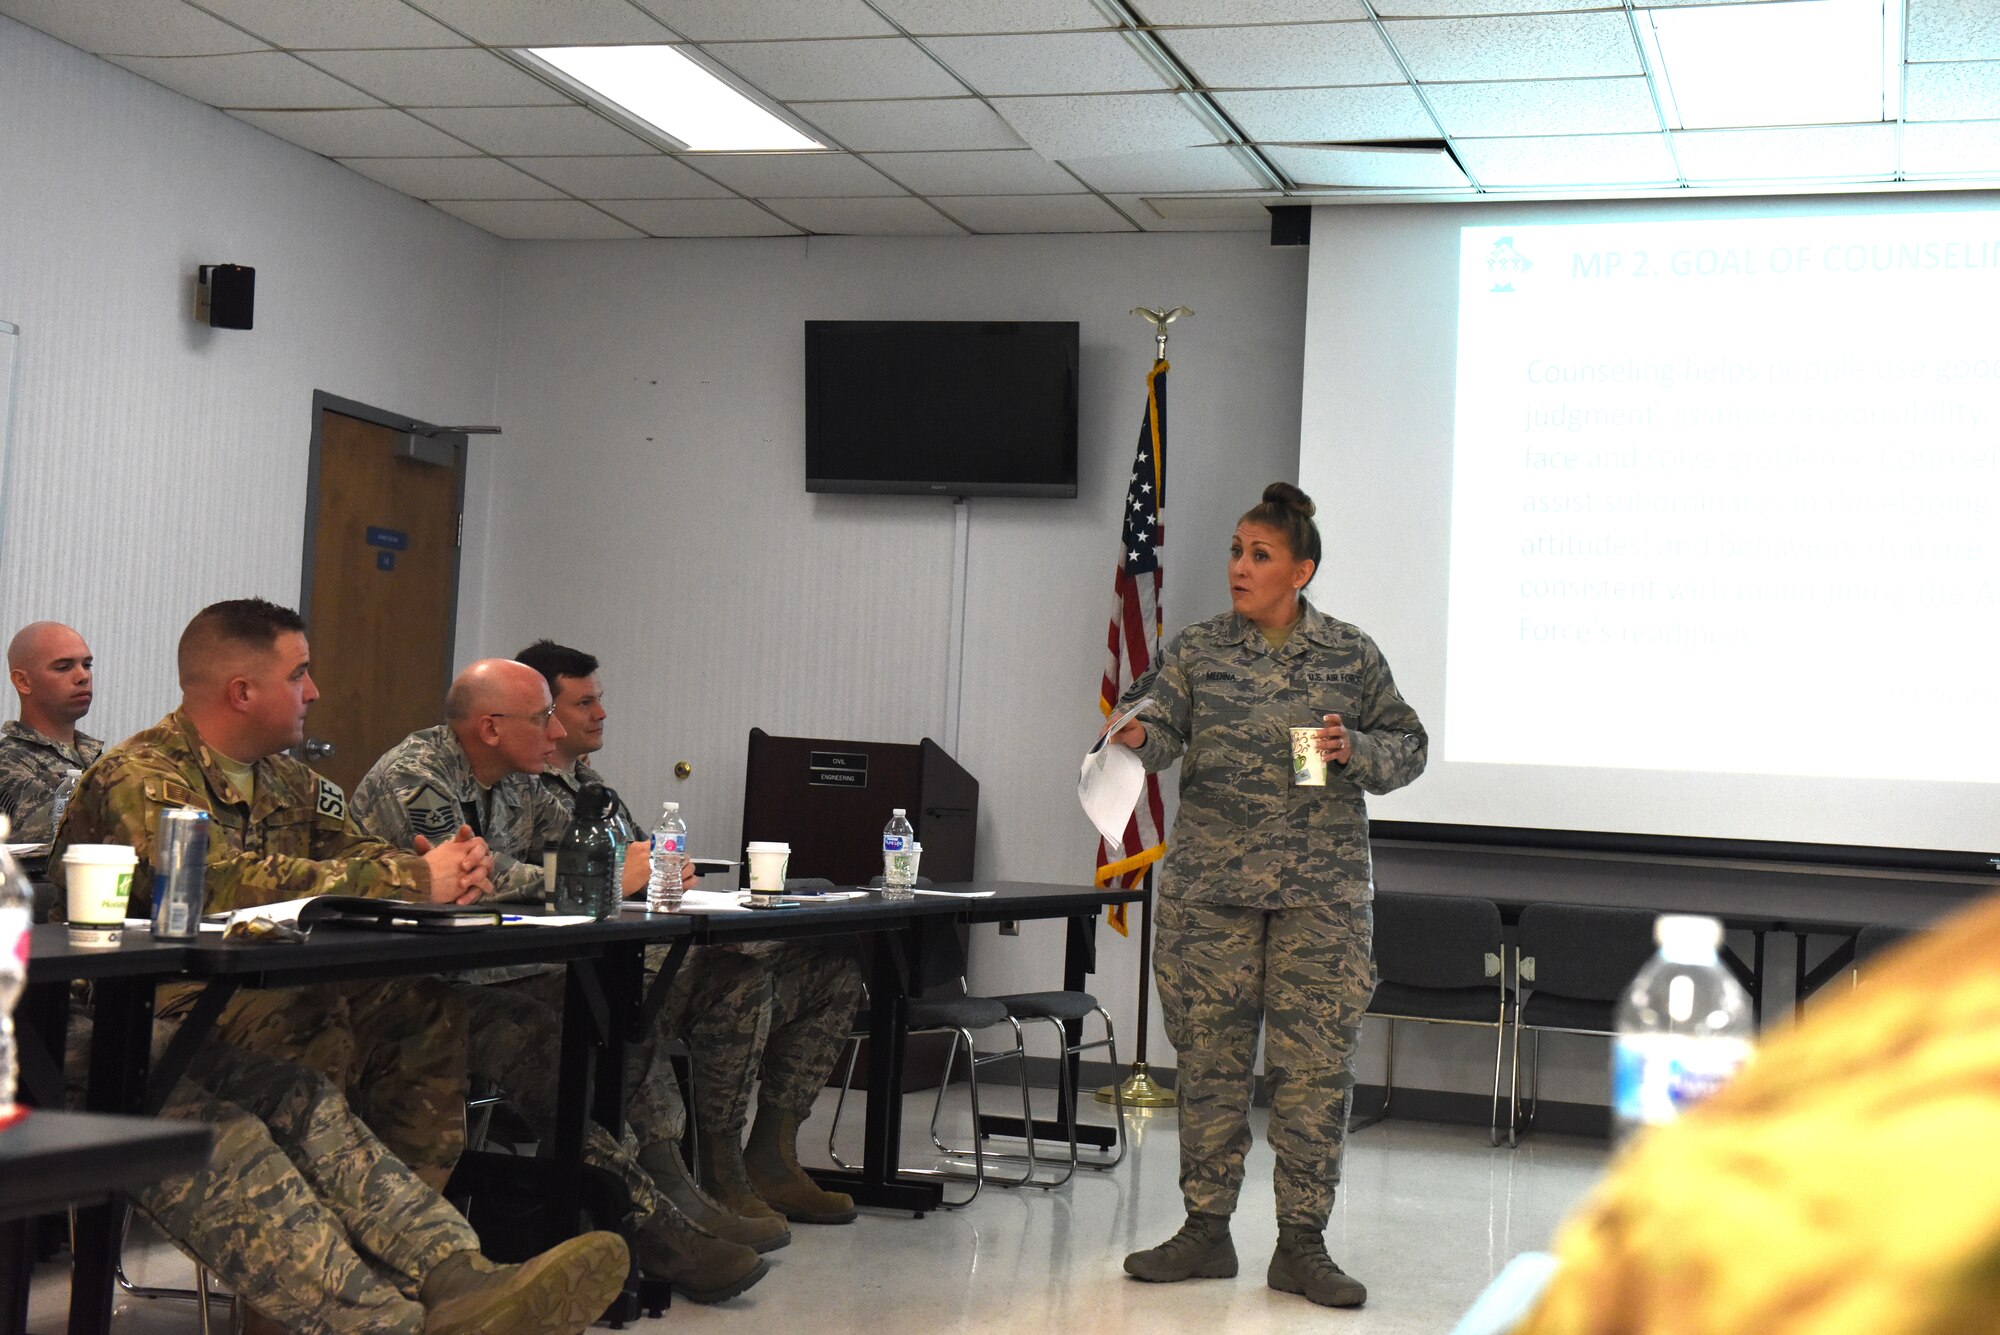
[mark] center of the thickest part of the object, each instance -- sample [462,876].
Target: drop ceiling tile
[463,77]
[1965,91]
[1034,213]
[1961,148]
[1521,46]
[546,22]
[859,68]
[1808,152]
[452,178]
[253,79]
[526,131]
[1952,30]
[1071,62]
[1545,106]
[1062,128]
[1317,115]
[1001,171]
[358,134]
[1370,167]
[349,24]
[1290,55]
[735,21]
[630,176]
[1220,13]
[1214,214]
[699,217]
[539,219]
[865,217]
[1170,171]
[923,18]
[1403,9]
[801,175]
[1569,160]
[927,123]
[132,27]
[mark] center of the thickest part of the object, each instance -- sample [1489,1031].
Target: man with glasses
[481,767]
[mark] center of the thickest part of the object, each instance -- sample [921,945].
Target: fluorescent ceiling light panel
[1793,62]
[675,95]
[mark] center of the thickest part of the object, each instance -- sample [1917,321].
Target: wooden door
[381,568]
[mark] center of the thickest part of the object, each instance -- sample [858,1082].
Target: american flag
[1134,637]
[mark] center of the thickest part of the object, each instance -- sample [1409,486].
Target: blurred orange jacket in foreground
[1846,1181]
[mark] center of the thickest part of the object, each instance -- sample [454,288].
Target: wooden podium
[830,799]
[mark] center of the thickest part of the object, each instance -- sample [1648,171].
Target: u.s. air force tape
[432,812]
[332,802]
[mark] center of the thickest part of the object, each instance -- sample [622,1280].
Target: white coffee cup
[100,884]
[1308,765]
[767,866]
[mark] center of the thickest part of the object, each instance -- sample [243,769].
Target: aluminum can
[180,870]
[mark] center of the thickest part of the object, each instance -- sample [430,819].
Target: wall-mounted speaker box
[225,295]
[1291,224]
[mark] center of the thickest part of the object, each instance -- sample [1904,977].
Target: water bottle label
[669,843]
[895,843]
[15,935]
[1657,1077]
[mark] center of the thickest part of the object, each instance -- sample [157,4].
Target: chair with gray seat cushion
[1439,960]
[1066,1011]
[1572,964]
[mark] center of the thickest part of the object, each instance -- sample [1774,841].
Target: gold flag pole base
[1138,1091]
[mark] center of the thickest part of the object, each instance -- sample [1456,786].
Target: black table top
[52,959]
[51,1160]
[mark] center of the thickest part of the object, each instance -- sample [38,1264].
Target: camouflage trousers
[1304,974]
[396,1049]
[769,1019]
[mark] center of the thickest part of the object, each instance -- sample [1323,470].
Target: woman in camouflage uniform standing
[1264,911]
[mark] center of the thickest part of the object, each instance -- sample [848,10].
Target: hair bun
[1289,496]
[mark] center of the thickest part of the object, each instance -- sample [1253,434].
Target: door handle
[315,749]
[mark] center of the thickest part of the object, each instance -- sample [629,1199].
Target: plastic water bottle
[1684,1027]
[17,916]
[64,791]
[897,839]
[670,837]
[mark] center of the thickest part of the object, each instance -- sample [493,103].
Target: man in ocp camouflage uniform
[480,767]
[772,1014]
[50,667]
[278,832]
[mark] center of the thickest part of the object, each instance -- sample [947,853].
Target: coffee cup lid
[100,853]
[770,848]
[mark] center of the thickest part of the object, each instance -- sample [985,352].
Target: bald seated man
[50,667]
[279,831]
[481,767]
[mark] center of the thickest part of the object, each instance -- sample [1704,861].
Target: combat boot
[772,1161]
[1201,1250]
[560,1292]
[700,1268]
[1300,1265]
[725,1178]
[662,1161]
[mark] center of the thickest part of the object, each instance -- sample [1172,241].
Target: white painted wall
[649,505]
[158,465]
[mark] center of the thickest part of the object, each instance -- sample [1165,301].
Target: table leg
[120,1046]
[17,1264]
[880,1182]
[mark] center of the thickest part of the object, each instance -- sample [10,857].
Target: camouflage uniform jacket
[625,827]
[1245,835]
[295,840]
[424,785]
[31,769]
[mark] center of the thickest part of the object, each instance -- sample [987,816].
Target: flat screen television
[941,407]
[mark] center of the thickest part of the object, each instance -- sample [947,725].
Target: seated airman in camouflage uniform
[279,832]
[772,1014]
[1264,914]
[304,1215]
[480,768]
[50,666]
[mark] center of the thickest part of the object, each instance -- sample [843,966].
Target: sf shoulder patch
[332,802]
[432,812]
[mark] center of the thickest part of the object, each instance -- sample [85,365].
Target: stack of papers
[1112,779]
